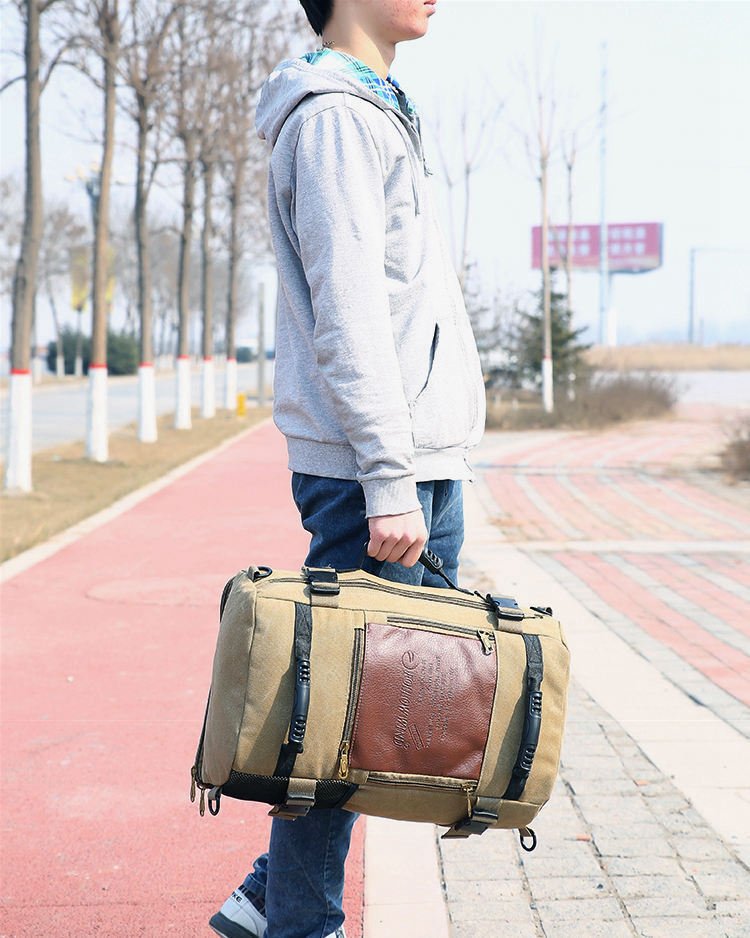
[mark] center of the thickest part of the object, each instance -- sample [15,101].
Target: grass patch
[68,487]
[602,402]
[677,357]
[735,457]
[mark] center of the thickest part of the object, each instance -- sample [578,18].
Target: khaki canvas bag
[342,689]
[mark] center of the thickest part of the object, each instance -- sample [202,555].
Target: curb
[57,542]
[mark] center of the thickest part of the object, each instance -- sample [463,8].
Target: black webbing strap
[298,723]
[532,722]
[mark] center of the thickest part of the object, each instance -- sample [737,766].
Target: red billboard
[633,247]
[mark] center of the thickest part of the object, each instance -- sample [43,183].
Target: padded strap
[532,722]
[298,723]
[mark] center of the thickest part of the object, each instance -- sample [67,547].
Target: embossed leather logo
[425,703]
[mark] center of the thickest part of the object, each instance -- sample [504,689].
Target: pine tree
[567,350]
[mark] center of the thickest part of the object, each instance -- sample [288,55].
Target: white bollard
[18,465]
[97,440]
[147,432]
[183,414]
[230,384]
[548,400]
[208,388]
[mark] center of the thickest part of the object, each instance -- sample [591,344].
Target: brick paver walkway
[621,853]
[637,524]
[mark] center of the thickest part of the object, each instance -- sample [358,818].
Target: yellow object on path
[241,405]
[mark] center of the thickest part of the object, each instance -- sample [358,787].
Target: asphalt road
[59,413]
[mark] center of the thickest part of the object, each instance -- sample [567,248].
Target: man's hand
[398,538]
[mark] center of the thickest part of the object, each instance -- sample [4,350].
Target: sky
[678,146]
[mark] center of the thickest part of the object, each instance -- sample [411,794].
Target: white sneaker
[238,918]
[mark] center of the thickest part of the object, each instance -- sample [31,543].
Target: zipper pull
[487,639]
[192,784]
[468,788]
[202,805]
[344,761]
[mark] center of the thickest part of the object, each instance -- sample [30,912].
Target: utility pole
[603,237]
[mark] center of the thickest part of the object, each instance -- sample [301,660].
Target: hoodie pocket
[433,350]
[443,413]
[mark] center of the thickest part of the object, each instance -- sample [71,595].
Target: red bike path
[107,648]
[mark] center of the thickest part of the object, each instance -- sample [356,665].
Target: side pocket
[433,352]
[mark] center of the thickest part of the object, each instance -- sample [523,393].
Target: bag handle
[505,607]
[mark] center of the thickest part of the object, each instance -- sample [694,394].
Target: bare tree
[97,28]
[477,143]
[568,148]
[263,36]
[148,24]
[537,134]
[18,463]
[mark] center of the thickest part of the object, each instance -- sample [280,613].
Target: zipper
[466,786]
[478,603]
[486,638]
[346,736]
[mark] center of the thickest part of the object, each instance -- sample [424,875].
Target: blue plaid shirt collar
[343,61]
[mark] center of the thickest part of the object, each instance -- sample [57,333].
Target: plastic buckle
[296,806]
[506,607]
[478,823]
[322,579]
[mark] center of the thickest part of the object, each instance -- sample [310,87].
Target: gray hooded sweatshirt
[377,374]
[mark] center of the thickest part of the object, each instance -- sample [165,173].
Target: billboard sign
[634,247]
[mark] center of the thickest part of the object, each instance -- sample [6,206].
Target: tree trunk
[261,344]
[208,403]
[230,379]
[182,418]
[146,389]
[18,464]
[547,373]
[97,437]
[569,241]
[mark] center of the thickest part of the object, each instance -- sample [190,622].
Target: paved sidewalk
[107,650]
[106,656]
[647,551]
[621,853]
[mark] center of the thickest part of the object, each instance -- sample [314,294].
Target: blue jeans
[301,878]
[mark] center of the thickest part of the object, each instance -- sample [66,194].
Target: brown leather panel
[424,703]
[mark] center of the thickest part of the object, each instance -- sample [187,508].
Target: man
[377,388]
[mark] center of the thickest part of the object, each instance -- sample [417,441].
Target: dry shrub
[735,457]
[603,401]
